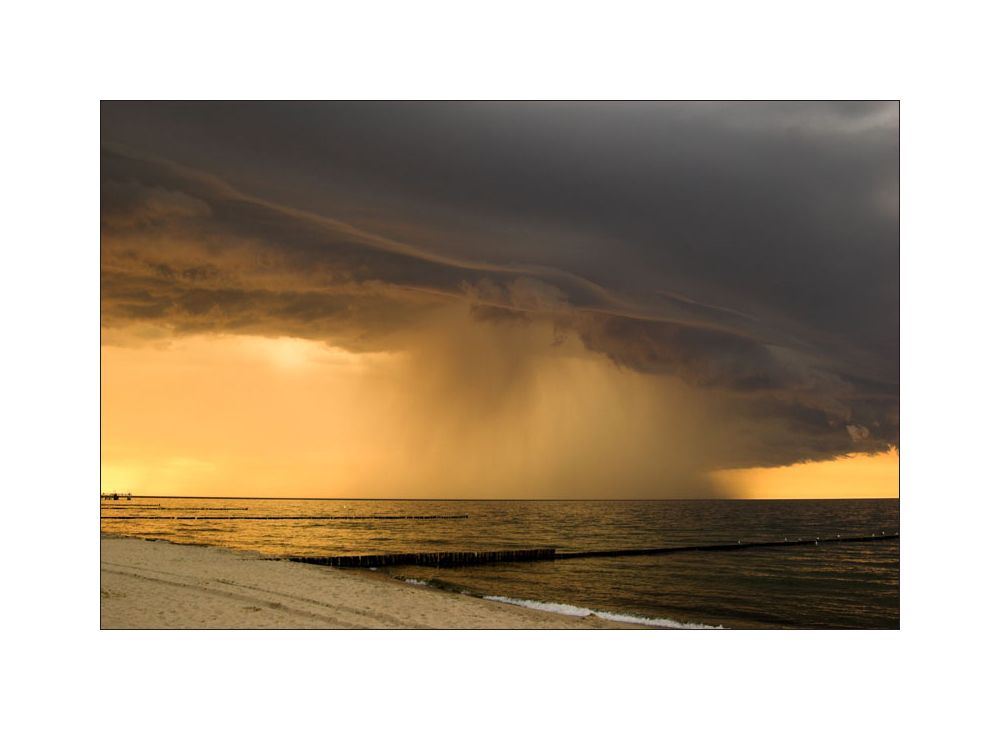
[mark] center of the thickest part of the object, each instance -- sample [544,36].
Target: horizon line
[510,499]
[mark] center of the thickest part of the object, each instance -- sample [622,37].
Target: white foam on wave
[569,610]
[416,582]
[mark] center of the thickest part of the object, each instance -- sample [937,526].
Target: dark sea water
[818,586]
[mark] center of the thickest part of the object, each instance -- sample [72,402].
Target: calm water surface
[831,585]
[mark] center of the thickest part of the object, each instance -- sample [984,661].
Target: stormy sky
[548,299]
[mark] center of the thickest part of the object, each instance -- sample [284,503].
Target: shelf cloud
[746,255]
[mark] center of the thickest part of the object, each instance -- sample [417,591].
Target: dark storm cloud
[748,248]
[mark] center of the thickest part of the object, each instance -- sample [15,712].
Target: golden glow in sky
[851,477]
[489,413]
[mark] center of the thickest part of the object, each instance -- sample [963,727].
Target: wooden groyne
[309,518]
[442,558]
[719,547]
[507,556]
[134,507]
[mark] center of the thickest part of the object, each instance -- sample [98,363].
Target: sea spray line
[567,609]
[564,609]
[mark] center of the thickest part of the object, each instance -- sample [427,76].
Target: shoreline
[154,584]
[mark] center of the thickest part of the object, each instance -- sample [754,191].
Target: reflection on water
[828,585]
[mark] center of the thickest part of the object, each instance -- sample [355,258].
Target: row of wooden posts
[439,558]
[506,556]
[285,517]
[137,507]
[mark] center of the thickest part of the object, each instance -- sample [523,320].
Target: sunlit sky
[500,300]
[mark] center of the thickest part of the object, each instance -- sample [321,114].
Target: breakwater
[309,518]
[438,558]
[453,558]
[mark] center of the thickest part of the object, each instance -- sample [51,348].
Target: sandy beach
[160,585]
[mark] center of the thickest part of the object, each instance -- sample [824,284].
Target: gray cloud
[745,249]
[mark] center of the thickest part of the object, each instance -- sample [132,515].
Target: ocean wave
[570,610]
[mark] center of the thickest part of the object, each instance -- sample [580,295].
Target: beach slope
[160,585]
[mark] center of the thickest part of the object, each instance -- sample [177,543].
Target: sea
[816,585]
